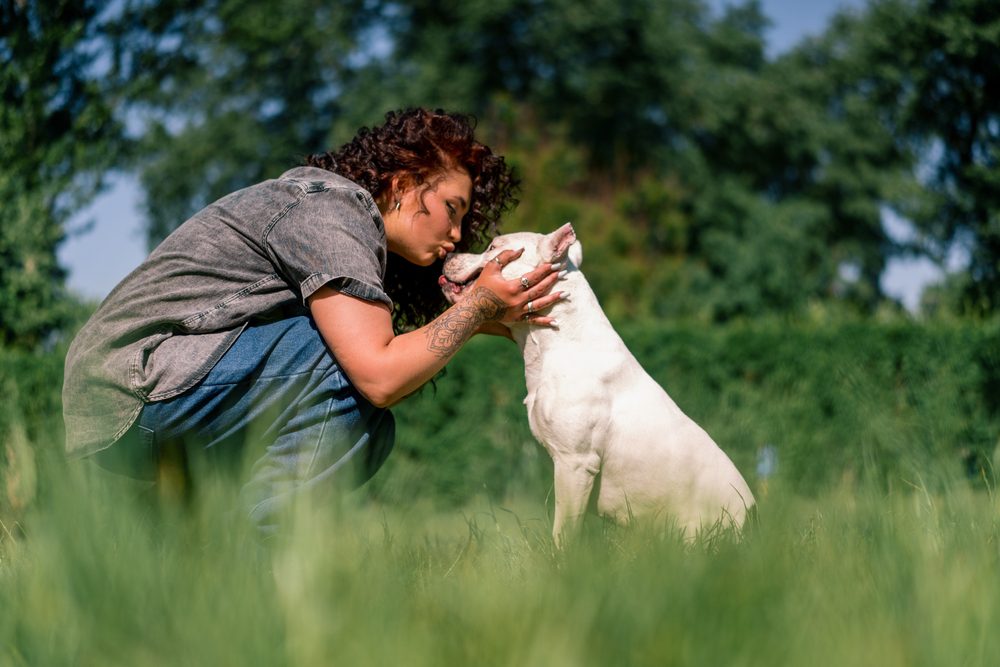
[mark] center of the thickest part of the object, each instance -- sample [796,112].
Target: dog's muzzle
[458,274]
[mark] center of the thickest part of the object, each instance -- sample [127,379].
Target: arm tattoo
[447,333]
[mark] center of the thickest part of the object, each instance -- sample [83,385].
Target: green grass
[853,576]
[871,546]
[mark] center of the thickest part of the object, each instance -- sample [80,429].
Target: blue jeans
[279,396]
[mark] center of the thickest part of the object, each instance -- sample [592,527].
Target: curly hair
[414,146]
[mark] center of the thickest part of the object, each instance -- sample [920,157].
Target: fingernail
[557,267]
[554,324]
[564,296]
[563,274]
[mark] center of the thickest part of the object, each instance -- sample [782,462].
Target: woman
[267,319]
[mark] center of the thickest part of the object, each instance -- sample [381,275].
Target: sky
[114,244]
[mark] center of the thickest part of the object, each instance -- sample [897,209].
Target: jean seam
[319,438]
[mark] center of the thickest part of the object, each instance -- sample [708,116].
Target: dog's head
[462,269]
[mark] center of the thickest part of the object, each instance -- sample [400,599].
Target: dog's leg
[574,481]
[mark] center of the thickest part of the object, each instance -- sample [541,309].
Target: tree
[733,185]
[241,91]
[956,101]
[783,166]
[934,68]
[803,135]
[230,92]
[617,75]
[58,136]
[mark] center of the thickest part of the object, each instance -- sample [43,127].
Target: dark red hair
[415,146]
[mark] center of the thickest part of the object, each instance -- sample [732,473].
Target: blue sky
[99,258]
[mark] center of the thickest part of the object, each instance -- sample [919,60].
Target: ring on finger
[497,260]
[524,282]
[531,308]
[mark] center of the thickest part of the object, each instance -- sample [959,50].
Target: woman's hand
[502,300]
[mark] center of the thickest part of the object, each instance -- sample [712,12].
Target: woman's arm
[384,367]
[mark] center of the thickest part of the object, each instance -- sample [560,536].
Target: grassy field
[876,541]
[854,576]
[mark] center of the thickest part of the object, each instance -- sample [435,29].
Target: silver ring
[531,309]
[524,283]
[497,260]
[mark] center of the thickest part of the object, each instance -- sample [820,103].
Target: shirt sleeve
[333,236]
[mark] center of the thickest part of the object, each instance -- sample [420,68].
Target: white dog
[595,409]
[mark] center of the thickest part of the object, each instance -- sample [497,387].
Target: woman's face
[428,222]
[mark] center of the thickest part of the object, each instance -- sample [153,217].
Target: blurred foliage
[31,412]
[715,183]
[58,137]
[711,181]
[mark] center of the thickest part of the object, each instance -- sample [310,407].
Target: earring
[398,204]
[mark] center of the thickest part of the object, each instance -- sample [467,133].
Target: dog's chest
[570,399]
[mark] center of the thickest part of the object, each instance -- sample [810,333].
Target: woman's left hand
[524,297]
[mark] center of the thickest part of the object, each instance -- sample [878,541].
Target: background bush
[894,402]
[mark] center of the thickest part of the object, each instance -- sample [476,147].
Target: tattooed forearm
[489,305]
[447,333]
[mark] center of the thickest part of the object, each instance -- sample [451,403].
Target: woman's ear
[395,190]
[391,197]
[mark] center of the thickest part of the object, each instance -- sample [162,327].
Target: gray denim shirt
[257,253]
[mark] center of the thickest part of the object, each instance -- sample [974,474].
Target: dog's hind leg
[574,482]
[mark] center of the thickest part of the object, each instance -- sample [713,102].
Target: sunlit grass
[108,576]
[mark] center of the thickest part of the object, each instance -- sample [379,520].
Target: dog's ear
[576,254]
[555,245]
